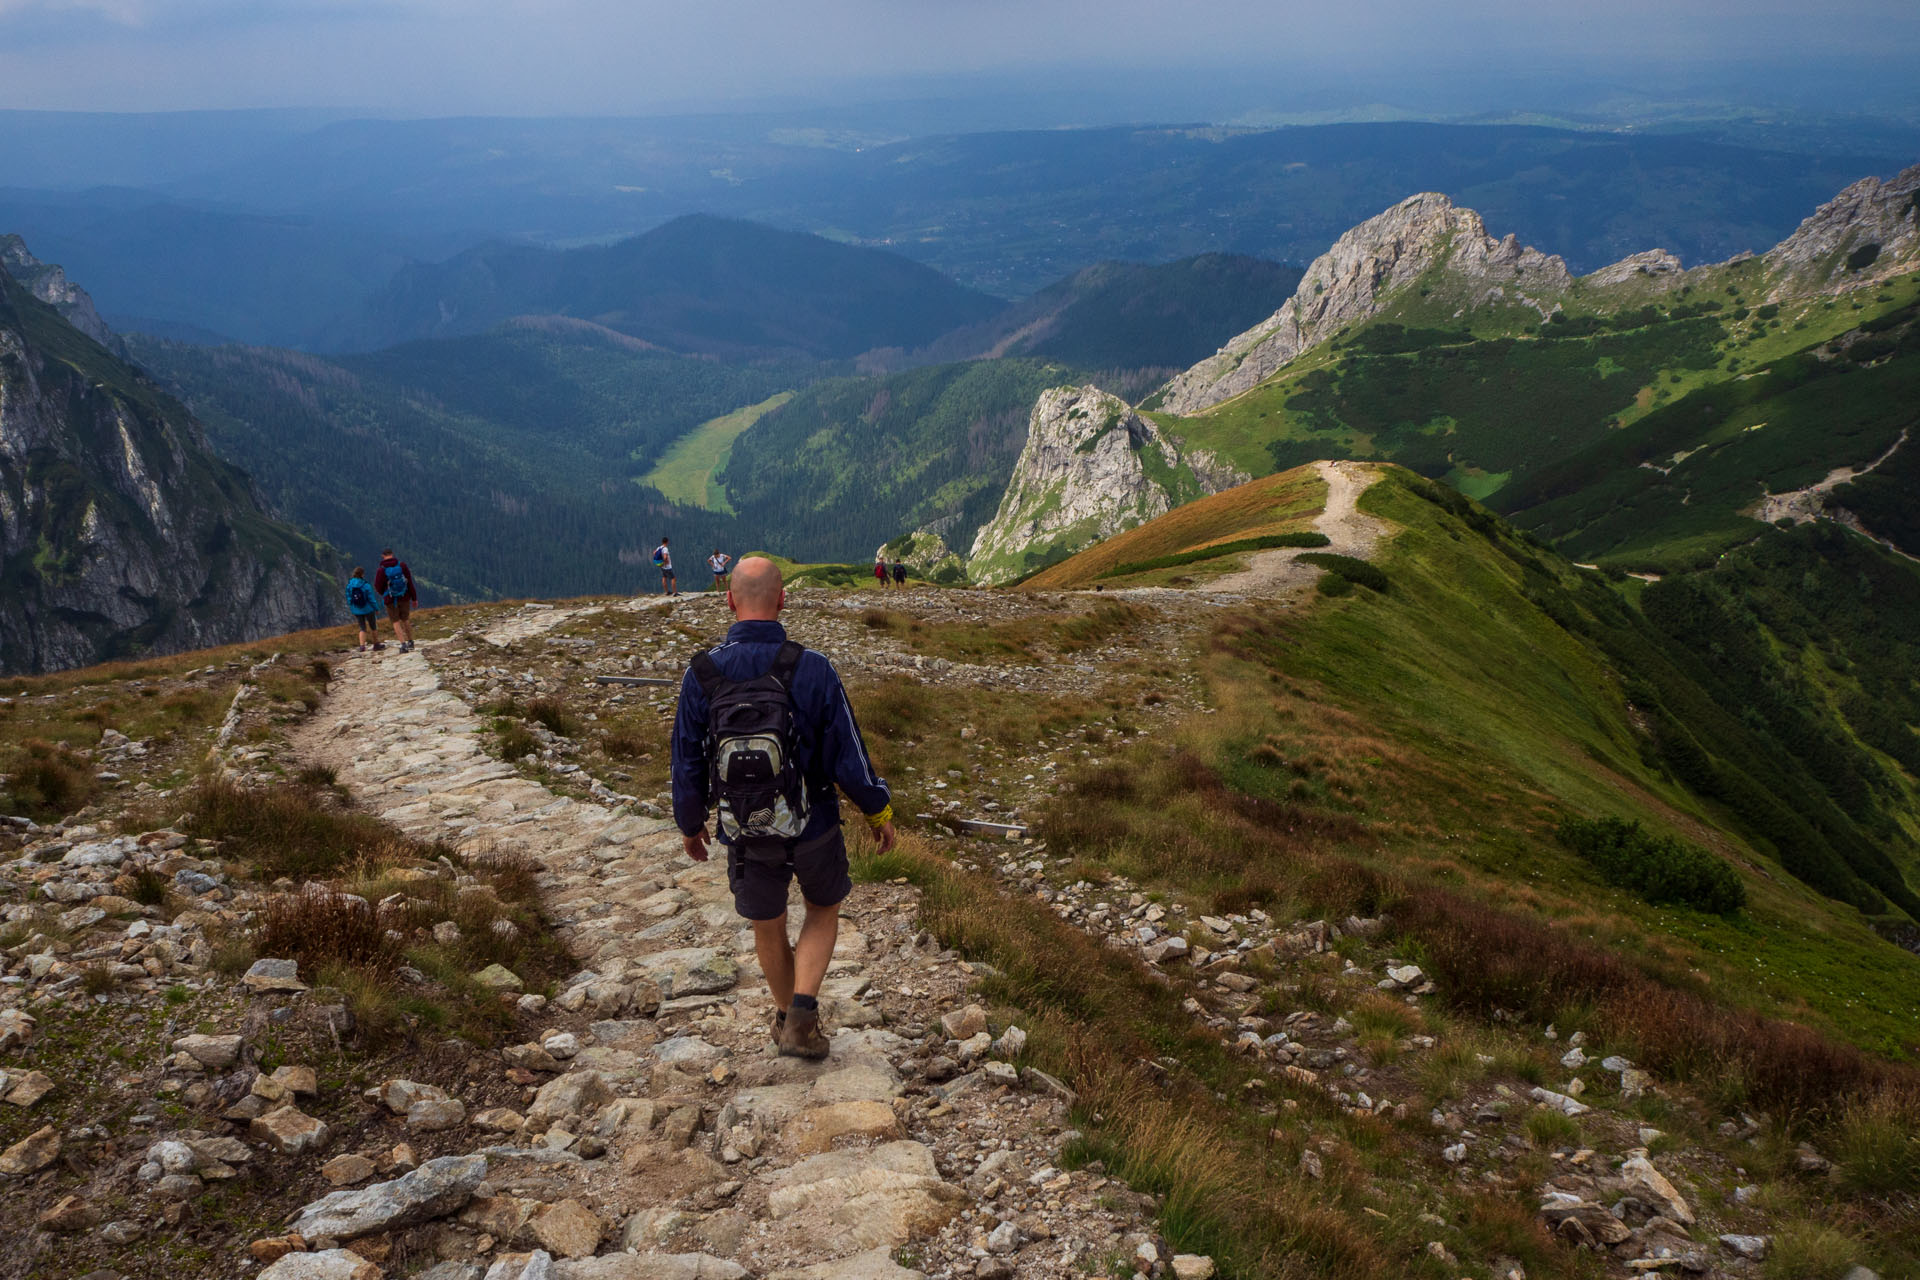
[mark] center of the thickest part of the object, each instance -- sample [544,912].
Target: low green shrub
[1359,572]
[1660,869]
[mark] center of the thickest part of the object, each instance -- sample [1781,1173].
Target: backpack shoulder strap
[706,672]
[785,663]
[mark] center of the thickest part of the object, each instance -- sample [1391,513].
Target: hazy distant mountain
[159,265]
[290,238]
[1132,315]
[698,284]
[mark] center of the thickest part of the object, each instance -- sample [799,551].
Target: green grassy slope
[1272,506]
[1679,486]
[1496,403]
[1495,690]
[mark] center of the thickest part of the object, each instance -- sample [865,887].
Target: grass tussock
[47,781]
[554,714]
[1875,1146]
[322,929]
[296,830]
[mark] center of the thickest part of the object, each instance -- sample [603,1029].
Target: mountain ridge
[1867,234]
[698,284]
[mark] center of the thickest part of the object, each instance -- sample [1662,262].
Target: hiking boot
[776,1024]
[800,1035]
[378,645]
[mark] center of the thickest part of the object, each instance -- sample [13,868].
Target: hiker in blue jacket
[362,604]
[825,749]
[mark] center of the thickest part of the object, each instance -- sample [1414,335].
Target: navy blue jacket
[828,747]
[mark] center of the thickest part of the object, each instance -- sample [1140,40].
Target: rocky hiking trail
[664,1135]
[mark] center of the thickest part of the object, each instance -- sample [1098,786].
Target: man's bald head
[755,592]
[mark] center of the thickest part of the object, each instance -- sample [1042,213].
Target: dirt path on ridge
[1278,573]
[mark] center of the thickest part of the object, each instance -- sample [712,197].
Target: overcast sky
[631,56]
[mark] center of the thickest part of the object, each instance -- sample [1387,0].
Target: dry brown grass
[322,928]
[293,830]
[47,781]
[1282,503]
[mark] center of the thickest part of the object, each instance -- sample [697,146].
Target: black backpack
[756,786]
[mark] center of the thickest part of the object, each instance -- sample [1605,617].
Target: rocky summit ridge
[1864,236]
[1348,283]
[1091,468]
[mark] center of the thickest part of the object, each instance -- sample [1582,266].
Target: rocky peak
[1868,233]
[1353,280]
[50,284]
[1091,467]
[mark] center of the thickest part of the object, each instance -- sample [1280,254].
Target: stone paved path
[704,1154]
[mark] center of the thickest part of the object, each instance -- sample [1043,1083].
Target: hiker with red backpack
[880,570]
[393,581]
[762,735]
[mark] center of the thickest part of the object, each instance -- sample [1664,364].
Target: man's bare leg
[801,966]
[814,951]
[776,958]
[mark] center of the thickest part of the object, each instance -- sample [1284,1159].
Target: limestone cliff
[50,284]
[1091,468]
[1868,233]
[1350,282]
[120,532]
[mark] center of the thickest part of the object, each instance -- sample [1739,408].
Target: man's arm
[845,753]
[690,767]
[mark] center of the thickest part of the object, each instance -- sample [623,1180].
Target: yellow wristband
[880,819]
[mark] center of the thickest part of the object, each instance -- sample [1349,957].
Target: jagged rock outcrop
[1350,281]
[1868,233]
[49,283]
[1091,468]
[120,532]
[1650,264]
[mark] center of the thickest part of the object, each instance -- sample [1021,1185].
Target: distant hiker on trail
[763,732]
[899,573]
[394,581]
[360,603]
[663,560]
[880,570]
[718,562]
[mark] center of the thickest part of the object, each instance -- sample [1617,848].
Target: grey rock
[436,1188]
[1080,479]
[650,1266]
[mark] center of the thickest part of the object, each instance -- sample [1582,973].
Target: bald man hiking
[763,733]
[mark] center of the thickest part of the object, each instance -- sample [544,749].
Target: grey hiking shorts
[760,871]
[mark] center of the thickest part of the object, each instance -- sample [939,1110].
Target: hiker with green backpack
[763,734]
